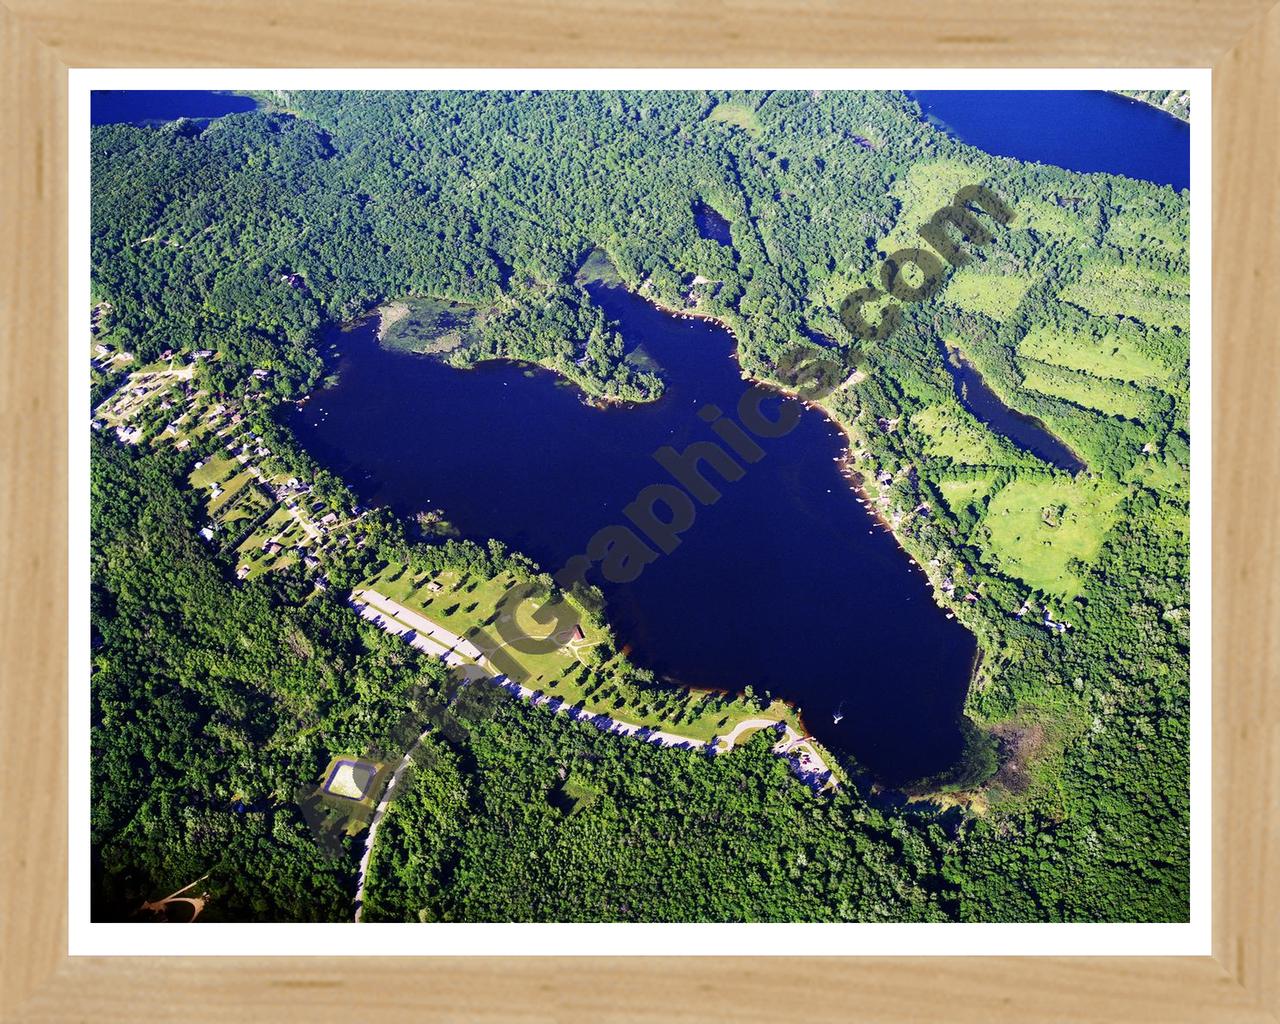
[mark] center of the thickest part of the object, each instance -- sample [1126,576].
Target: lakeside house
[1054,627]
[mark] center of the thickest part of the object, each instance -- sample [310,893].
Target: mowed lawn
[216,469]
[467,605]
[1039,526]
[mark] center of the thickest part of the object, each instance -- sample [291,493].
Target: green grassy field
[1046,217]
[995,295]
[216,469]
[1108,289]
[572,796]
[1038,527]
[1165,474]
[736,114]
[960,493]
[231,488]
[1115,355]
[924,190]
[249,503]
[953,433]
[1109,397]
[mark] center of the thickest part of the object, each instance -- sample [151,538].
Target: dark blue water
[1027,432]
[711,225]
[150,106]
[1081,131]
[786,583]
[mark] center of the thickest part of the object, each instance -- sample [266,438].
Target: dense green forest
[214,701]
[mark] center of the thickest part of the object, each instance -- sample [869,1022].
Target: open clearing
[1039,527]
[954,433]
[1111,354]
[959,494]
[994,295]
[1111,289]
[1047,217]
[1109,397]
[738,114]
[923,191]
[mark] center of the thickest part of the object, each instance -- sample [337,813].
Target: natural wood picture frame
[41,39]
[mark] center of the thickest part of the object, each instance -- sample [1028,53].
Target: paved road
[420,624]
[427,636]
[396,618]
[385,621]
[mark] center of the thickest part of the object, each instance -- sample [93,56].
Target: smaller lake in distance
[155,106]
[1027,432]
[1081,131]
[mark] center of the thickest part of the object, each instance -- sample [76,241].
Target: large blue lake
[786,583]
[155,106]
[1081,131]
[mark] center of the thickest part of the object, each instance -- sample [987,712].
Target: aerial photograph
[586,505]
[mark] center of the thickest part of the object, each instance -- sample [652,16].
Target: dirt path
[378,814]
